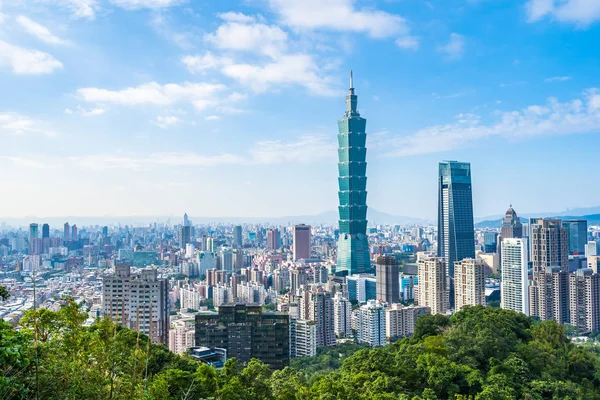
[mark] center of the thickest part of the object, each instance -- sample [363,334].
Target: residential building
[371,324]
[353,246]
[548,298]
[433,285]
[138,301]
[514,288]
[469,283]
[273,239]
[182,335]
[317,305]
[342,315]
[584,290]
[400,320]
[237,236]
[303,338]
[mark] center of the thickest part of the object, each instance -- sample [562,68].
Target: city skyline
[202,101]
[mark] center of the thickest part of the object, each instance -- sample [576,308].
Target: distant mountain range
[327,217]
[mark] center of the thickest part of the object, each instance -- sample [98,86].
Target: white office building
[342,315]
[371,324]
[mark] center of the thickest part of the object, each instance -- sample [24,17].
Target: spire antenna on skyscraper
[351,80]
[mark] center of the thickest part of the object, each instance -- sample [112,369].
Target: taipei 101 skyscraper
[353,247]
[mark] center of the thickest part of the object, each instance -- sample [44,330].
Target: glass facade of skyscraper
[353,246]
[456,238]
[578,235]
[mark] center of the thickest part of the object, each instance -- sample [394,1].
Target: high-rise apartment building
[371,324]
[353,247]
[302,242]
[342,315]
[273,239]
[303,338]
[182,336]
[469,283]
[400,320]
[74,234]
[388,279]
[511,225]
[584,290]
[237,236]
[514,288]
[138,301]
[433,285]
[456,234]
[548,295]
[578,235]
[246,332]
[317,305]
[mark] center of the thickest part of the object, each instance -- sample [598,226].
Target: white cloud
[237,17]
[68,111]
[39,31]
[28,162]
[202,95]
[27,61]
[554,118]
[79,8]
[167,121]
[306,150]
[18,124]
[212,118]
[299,69]
[408,42]
[557,79]
[580,12]
[455,48]
[91,112]
[138,4]
[207,61]
[338,15]
[244,36]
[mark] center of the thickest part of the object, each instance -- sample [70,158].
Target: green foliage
[4,293]
[480,353]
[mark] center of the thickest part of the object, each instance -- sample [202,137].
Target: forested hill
[479,353]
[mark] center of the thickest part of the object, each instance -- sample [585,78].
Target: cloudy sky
[229,107]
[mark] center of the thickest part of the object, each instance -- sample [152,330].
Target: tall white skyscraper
[469,283]
[303,338]
[371,324]
[342,315]
[514,289]
[433,284]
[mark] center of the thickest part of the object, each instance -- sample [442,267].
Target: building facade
[388,279]
[584,291]
[456,234]
[511,225]
[514,288]
[578,235]
[548,295]
[400,320]
[342,315]
[371,324]
[139,302]
[433,285]
[353,247]
[301,242]
[469,283]
[303,338]
[246,332]
[317,305]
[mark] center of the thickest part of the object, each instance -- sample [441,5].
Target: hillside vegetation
[479,353]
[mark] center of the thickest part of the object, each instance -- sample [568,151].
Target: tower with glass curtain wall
[353,246]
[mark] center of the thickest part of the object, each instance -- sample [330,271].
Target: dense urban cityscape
[181,218]
[275,292]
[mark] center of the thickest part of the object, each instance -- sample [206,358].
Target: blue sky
[229,108]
